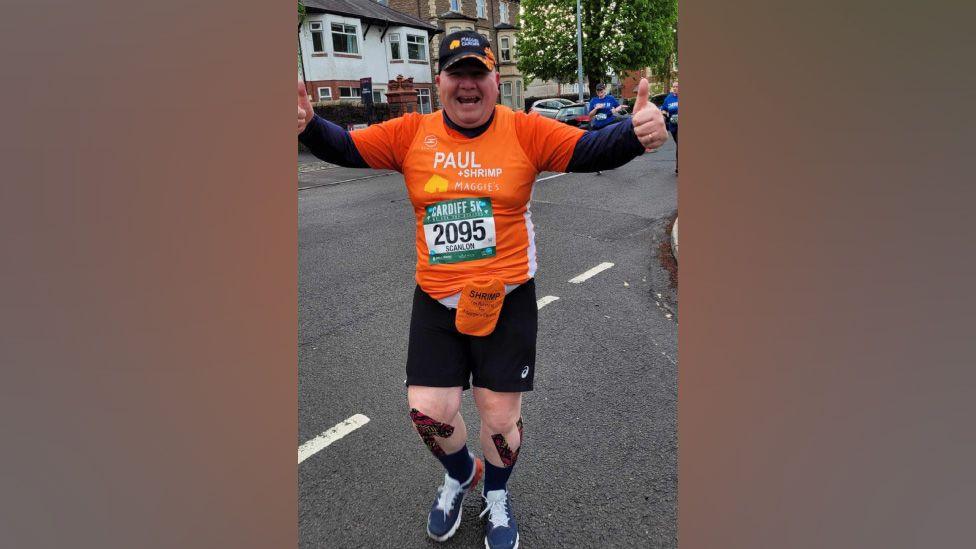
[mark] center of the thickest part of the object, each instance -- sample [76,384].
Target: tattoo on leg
[508,456]
[429,428]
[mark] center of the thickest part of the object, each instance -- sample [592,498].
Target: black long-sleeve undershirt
[604,149]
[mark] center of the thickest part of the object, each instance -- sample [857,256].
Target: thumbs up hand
[647,120]
[305,112]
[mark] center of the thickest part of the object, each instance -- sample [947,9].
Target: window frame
[318,92]
[503,11]
[510,94]
[354,35]
[321,32]
[456,6]
[423,42]
[395,39]
[358,94]
[482,10]
[420,100]
[504,48]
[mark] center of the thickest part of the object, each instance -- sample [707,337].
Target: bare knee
[499,419]
[440,403]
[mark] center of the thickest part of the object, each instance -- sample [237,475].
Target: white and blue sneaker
[501,532]
[445,513]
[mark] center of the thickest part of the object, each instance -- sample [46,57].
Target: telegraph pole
[579,49]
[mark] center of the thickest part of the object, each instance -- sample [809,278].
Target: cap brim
[481,58]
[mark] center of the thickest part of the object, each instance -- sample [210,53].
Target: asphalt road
[599,463]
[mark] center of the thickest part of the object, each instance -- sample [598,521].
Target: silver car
[549,107]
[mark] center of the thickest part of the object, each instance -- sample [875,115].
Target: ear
[437,79]
[498,79]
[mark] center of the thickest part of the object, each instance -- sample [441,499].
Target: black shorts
[440,356]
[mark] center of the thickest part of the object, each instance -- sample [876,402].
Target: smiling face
[468,92]
[674,88]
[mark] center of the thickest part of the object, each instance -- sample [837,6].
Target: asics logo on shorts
[525,372]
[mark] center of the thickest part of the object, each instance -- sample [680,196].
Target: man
[602,108]
[469,171]
[670,110]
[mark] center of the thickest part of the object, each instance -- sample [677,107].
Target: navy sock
[496,477]
[458,464]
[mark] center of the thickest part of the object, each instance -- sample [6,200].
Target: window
[325,94]
[349,93]
[503,11]
[518,95]
[416,47]
[344,38]
[318,45]
[481,9]
[453,29]
[505,49]
[507,94]
[395,47]
[456,5]
[423,100]
[378,95]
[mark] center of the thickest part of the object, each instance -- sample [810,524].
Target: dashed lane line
[590,273]
[542,302]
[318,443]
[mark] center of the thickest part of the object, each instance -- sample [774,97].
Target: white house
[345,40]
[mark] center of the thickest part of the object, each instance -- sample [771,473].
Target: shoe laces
[447,493]
[495,503]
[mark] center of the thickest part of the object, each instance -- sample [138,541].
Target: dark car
[574,115]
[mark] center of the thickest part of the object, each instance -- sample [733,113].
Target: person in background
[603,107]
[670,110]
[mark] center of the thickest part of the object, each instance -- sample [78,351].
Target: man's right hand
[305,112]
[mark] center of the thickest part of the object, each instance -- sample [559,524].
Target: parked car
[574,115]
[549,107]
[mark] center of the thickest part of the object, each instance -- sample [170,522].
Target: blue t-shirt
[670,104]
[604,116]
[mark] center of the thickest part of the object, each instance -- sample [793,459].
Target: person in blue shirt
[602,108]
[670,110]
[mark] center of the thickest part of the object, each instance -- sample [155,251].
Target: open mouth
[468,100]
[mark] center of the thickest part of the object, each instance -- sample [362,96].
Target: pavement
[598,466]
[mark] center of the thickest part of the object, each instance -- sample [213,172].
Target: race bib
[460,230]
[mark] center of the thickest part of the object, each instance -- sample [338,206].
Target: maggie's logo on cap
[454,44]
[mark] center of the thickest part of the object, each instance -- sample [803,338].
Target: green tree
[618,35]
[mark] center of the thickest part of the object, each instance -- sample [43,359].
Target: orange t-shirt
[470,196]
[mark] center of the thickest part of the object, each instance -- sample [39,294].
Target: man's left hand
[647,120]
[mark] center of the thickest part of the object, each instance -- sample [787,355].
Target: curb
[674,240]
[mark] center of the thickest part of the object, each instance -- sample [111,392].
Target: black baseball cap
[465,44]
[601,87]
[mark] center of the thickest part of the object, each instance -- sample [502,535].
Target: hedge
[345,114]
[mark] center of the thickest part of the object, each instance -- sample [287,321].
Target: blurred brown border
[826,381]
[148,237]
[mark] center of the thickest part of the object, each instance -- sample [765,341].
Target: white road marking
[549,177]
[311,447]
[595,270]
[545,301]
